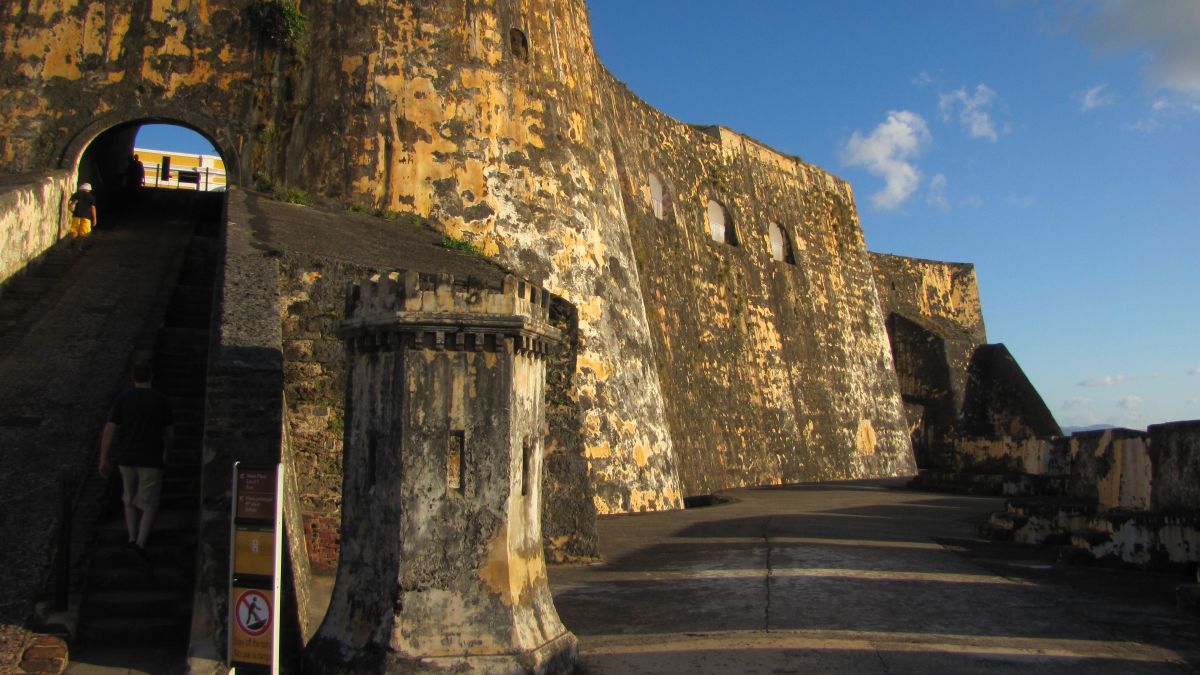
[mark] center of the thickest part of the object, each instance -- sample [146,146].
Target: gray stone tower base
[441,562]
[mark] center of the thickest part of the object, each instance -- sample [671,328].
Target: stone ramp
[64,359]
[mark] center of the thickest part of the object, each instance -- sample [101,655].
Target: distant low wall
[1039,456]
[1153,470]
[33,210]
[1112,467]
[1175,460]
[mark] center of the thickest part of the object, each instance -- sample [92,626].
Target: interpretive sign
[254,549]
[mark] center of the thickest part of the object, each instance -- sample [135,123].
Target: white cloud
[923,79]
[1077,403]
[1145,125]
[1164,30]
[972,110]
[936,196]
[1021,201]
[1103,381]
[887,152]
[1132,402]
[1077,411]
[1095,97]
[1132,405]
[1194,371]
[973,201]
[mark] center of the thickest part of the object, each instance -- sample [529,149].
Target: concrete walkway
[859,577]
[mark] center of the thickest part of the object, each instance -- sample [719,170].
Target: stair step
[173,320]
[185,451]
[176,378]
[134,604]
[167,526]
[177,337]
[128,602]
[117,555]
[164,545]
[194,403]
[161,578]
[134,632]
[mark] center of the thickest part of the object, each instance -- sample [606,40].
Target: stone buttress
[441,562]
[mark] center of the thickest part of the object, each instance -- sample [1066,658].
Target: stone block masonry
[441,560]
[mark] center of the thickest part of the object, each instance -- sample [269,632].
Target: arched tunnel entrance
[137,165]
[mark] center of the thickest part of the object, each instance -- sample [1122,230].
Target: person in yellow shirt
[83,214]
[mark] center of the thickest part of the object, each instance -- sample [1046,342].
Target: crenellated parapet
[438,312]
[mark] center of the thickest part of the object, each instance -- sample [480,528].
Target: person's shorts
[143,485]
[80,227]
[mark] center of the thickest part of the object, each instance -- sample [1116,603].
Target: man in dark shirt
[135,175]
[83,214]
[142,426]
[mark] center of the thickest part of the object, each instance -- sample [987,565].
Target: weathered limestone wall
[1111,467]
[772,371]
[33,217]
[495,121]
[76,68]
[943,298]
[1038,456]
[934,324]
[508,149]
[1000,400]
[1175,458]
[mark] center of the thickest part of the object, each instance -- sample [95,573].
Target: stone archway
[99,153]
[115,126]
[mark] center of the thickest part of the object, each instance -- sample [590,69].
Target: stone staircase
[124,603]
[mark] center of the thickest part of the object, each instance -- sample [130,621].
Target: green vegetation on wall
[279,21]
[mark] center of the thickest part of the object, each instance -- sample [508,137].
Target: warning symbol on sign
[253,613]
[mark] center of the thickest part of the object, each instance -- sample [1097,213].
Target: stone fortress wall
[701,364]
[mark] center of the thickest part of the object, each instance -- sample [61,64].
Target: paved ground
[857,577]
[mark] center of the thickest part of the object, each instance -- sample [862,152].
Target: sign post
[255,546]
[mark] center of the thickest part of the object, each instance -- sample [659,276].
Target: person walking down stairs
[142,426]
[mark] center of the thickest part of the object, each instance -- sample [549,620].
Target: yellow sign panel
[253,614]
[254,552]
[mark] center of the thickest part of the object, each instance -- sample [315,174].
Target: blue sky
[1052,144]
[1055,145]
[171,137]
